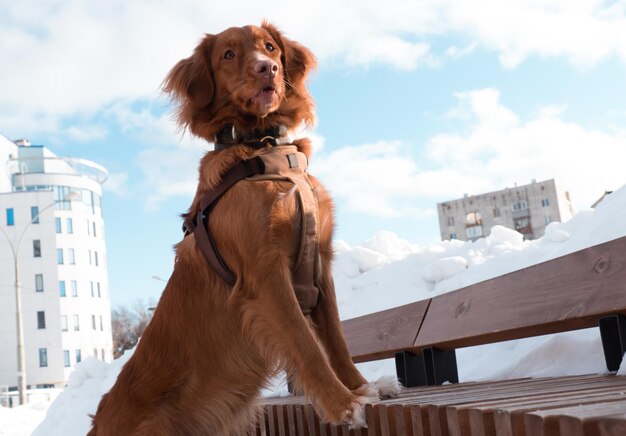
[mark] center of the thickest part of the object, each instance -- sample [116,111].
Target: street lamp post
[15,249]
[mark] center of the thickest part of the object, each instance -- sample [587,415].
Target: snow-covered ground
[385,272]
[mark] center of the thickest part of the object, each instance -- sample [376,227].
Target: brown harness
[284,163]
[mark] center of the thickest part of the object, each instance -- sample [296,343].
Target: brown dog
[211,347]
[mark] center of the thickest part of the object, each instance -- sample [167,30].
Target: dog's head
[249,77]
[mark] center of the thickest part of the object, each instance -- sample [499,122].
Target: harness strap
[199,225]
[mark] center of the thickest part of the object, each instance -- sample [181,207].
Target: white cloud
[117,183]
[498,149]
[455,52]
[167,174]
[85,133]
[582,31]
[379,179]
[69,57]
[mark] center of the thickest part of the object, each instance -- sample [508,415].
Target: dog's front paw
[353,412]
[355,416]
[385,387]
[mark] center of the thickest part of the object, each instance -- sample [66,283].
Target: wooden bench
[580,290]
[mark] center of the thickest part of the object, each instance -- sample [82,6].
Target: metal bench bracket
[431,366]
[613,334]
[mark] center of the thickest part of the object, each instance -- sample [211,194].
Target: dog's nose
[267,68]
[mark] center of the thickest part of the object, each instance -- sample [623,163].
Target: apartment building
[51,225]
[527,209]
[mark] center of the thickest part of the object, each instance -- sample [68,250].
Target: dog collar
[228,137]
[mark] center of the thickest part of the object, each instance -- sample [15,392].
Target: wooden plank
[311,417]
[612,425]
[439,405]
[300,420]
[418,426]
[509,420]
[567,293]
[499,416]
[548,422]
[383,420]
[400,423]
[380,335]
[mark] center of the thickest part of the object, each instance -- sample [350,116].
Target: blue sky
[418,102]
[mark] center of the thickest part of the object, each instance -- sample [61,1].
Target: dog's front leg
[274,322]
[328,327]
[326,315]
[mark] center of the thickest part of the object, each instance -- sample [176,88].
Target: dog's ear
[297,60]
[191,82]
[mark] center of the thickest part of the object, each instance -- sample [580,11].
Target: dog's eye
[229,54]
[269,46]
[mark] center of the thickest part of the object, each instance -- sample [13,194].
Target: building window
[450,221]
[88,228]
[43,357]
[90,260]
[57,224]
[74,288]
[93,322]
[60,260]
[63,323]
[78,356]
[76,323]
[453,236]
[95,353]
[101,324]
[473,219]
[94,229]
[66,358]
[547,219]
[496,212]
[41,320]
[70,257]
[69,225]
[60,194]
[88,200]
[98,287]
[36,248]
[34,214]
[39,282]
[62,288]
[95,258]
[545,202]
[520,205]
[474,232]
[521,223]
[92,293]
[102,354]
[10,217]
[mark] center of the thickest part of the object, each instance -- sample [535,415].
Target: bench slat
[380,335]
[567,293]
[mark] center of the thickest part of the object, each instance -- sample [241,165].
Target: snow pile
[69,413]
[386,272]
[22,419]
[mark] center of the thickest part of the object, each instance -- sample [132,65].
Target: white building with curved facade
[51,222]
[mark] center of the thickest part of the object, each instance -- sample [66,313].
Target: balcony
[57,165]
